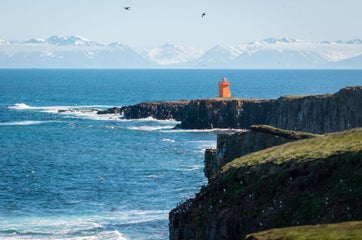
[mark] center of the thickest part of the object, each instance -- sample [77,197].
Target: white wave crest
[24,123]
[91,115]
[213,130]
[81,111]
[20,106]
[149,128]
[57,109]
[151,119]
[167,140]
[193,167]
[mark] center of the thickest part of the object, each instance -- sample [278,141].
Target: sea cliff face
[306,182]
[316,113]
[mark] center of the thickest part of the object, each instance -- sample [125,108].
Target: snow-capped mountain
[273,58]
[218,56]
[280,53]
[79,52]
[172,54]
[69,52]
[72,40]
[34,41]
[280,40]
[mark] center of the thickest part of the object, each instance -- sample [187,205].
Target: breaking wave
[24,123]
[112,226]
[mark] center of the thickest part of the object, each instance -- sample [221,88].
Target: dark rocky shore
[315,113]
[157,110]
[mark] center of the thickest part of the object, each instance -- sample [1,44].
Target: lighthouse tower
[224,90]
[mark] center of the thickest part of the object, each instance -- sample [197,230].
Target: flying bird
[203,14]
[127,8]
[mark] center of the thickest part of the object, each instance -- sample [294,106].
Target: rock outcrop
[306,182]
[114,110]
[231,146]
[316,113]
[157,110]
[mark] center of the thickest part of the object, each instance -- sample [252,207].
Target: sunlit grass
[345,231]
[318,147]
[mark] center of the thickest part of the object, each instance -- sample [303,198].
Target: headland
[315,113]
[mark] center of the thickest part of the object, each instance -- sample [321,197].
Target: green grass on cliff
[287,97]
[341,231]
[295,135]
[304,150]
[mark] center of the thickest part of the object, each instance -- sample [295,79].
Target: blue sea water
[79,175]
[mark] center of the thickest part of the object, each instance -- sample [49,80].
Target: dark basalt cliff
[316,113]
[306,182]
[259,137]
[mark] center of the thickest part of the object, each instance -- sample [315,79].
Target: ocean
[74,174]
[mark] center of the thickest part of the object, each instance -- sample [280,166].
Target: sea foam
[24,123]
[20,106]
[77,227]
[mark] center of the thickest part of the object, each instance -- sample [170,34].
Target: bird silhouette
[127,8]
[203,14]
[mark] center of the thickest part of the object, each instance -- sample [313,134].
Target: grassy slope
[304,150]
[345,231]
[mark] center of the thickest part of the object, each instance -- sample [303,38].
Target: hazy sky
[156,22]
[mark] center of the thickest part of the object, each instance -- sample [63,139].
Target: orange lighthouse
[224,90]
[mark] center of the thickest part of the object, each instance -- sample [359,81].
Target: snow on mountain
[79,52]
[350,63]
[354,41]
[219,56]
[118,45]
[172,54]
[3,41]
[279,40]
[274,58]
[69,52]
[71,40]
[35,41]
[279,53]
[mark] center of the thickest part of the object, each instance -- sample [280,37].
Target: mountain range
[269,53]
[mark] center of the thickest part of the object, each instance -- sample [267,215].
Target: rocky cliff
[310,181]
[316,113]
[259,137]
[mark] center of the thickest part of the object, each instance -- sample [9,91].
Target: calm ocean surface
[77,175]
